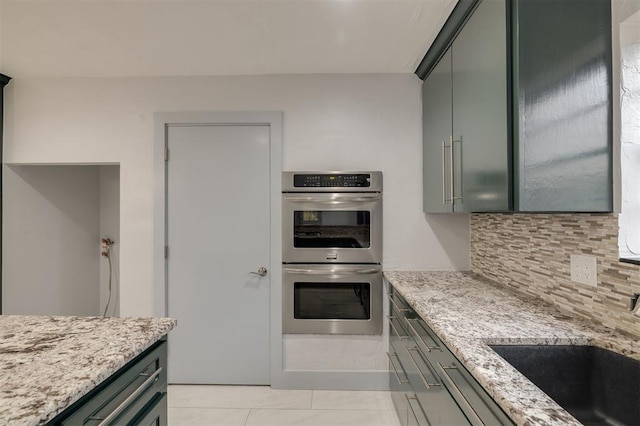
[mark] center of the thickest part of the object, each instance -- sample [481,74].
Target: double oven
[332,252]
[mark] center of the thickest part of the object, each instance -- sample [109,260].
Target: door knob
[262,271]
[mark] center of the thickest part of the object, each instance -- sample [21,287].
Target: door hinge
[166,252]
[166,154]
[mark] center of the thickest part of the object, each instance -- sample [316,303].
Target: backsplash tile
[531,252]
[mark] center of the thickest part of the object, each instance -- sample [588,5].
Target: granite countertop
[469,313]
[48,363]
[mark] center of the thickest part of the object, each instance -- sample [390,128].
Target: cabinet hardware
[466,407]
[429,348]
[399,309]
[127,402]
[402,382]
[395,330]
[451,176]
[420,373]
[444,186]
[411,398]
[451,171]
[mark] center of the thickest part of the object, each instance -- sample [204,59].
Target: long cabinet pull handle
[395,330]
[402,382]
[444,186]
[429,348]
[415,398]
[123,406]
[453,195]
[451,174]
[428,364]
[466,407]
[398,308]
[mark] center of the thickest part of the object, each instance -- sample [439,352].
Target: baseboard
[331,380]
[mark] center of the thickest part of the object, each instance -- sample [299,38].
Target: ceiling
[124,38]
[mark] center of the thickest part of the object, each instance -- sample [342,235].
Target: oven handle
[332,271]
[338,200]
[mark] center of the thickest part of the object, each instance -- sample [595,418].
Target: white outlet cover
[584,269]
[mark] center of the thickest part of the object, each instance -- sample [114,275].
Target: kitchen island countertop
[48,363]
[469,313]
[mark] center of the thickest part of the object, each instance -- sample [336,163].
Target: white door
[217,233]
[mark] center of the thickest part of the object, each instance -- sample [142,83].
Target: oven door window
[332,229]
[343,301]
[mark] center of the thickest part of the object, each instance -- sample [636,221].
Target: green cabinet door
[531,110]
[481,142]
[436,128]
[562,100]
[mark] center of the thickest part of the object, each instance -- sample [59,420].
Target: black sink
[597,386]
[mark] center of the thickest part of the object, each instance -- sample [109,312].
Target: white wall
[50,230]
[110,228]
[330,122]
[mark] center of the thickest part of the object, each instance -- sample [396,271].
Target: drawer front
[470,398]
[442,391]
[124,394]
[473,400]
[436,403]
[155,414]
[398,379]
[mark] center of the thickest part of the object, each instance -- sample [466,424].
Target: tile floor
[203,405]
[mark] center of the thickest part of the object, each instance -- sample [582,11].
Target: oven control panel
[332,180]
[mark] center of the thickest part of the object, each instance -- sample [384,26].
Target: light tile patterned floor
[202,405]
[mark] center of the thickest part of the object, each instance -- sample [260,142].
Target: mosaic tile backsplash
[531,252]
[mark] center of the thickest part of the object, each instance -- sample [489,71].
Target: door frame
[273,119]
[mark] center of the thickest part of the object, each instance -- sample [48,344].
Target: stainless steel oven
[332,299]
[332,250]
[332,217]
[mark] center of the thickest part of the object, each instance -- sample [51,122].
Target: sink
[597,386]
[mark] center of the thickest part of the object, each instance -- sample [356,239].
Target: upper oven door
[332,227]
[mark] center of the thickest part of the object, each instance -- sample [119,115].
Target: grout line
[246,419]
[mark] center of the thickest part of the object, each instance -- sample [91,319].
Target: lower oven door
[332,299]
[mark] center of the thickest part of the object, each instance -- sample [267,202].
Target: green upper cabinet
[480,126]
[465,144]
[562,99]
[437,128]
[530,108]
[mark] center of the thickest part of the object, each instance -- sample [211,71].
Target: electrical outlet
[584,269]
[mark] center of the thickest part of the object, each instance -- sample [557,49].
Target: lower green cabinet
[429,385]
[135,395]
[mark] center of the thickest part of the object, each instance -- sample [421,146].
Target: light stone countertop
[468,313]
[48,363]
